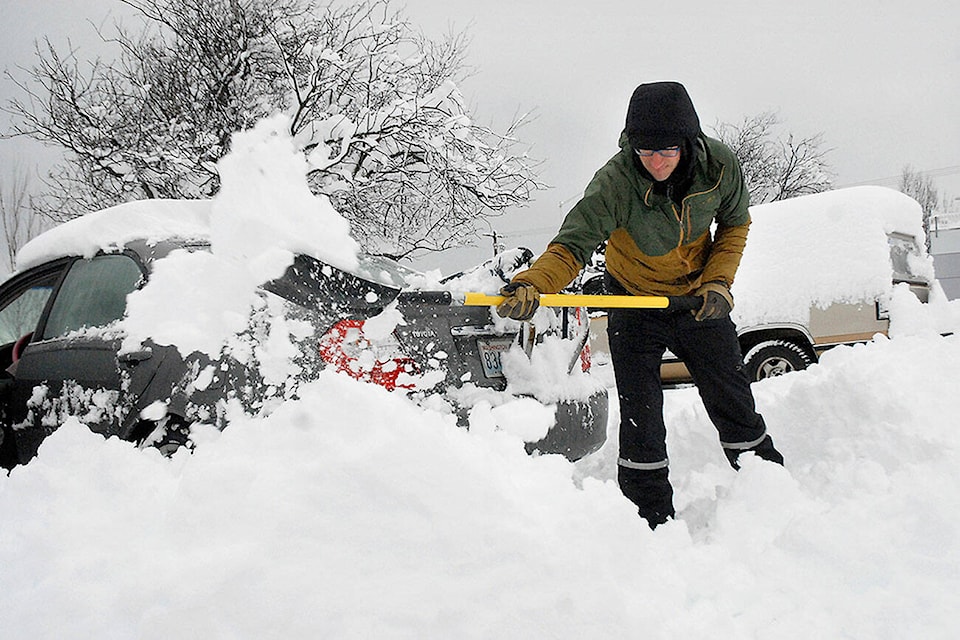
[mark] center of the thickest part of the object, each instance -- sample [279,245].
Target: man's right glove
[717,301]
[520,301]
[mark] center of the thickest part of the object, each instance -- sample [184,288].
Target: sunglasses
[669,152]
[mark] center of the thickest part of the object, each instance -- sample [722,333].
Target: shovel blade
[338,294]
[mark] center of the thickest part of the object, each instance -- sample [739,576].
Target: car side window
[21,314]
[93,294]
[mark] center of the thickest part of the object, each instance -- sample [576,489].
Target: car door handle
[134,357]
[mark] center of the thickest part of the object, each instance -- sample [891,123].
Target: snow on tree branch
[374,104]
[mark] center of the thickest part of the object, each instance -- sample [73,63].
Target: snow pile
[353,513]
[819,249]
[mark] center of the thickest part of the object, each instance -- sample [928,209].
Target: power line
[930,173]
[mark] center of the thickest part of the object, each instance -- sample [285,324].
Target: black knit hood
[661,115]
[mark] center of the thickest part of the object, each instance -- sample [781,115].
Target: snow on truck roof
[823,248]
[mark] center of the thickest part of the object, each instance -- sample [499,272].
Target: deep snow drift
[353,513]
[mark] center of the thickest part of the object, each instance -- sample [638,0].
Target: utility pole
[493,235]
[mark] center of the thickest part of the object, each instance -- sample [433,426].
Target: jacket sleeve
[552,271]
[725,254]
[733,222]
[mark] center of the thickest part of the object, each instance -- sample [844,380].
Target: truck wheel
[775,358]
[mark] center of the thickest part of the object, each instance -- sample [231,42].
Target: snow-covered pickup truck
[818,271]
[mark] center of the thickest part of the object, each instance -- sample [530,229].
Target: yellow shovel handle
[472,299]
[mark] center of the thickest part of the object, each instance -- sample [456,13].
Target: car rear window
[93,294]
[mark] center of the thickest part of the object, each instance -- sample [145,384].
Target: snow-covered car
[64,347]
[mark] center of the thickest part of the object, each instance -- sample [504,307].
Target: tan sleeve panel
[553,270]
[725,254]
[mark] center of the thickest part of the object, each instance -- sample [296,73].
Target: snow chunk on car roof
[150,220]
[264,204]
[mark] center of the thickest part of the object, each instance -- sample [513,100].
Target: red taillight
[581,319]
[585,360]
[346,348]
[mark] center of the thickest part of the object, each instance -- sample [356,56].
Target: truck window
[904,254]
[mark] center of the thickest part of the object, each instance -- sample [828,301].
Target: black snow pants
[711,351]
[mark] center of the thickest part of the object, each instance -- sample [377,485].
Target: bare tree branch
[776,168]
[921,188]
[19,218]
[374,105]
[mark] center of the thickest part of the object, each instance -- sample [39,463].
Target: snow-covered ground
[353,513]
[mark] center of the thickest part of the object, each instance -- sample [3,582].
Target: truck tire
[775,358]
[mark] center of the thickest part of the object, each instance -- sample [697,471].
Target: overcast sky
[879,78]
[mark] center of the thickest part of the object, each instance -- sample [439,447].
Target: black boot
[650,491]
[764,450]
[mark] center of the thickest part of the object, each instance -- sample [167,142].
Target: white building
[945,248]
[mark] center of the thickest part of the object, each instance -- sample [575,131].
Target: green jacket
[655,247]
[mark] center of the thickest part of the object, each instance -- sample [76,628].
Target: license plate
[490,356]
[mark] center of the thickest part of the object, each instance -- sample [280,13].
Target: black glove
[520,301]
[717,301]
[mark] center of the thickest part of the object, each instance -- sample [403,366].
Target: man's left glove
[717,301]
[520,301]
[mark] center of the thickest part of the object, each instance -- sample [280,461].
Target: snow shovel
[342,295]
[678,303]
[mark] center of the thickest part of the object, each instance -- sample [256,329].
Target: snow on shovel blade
[336,293]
